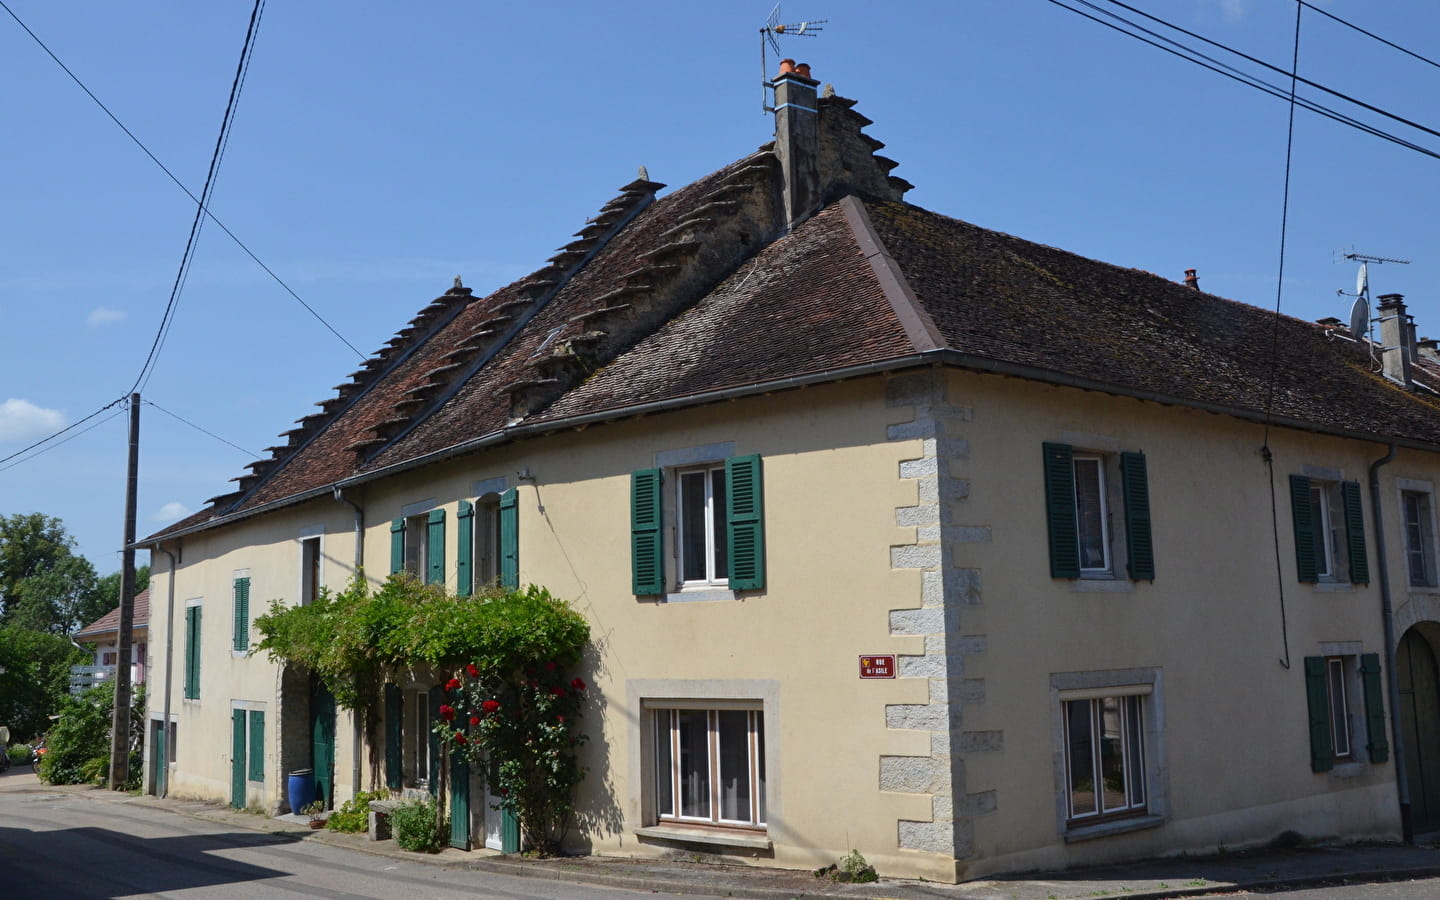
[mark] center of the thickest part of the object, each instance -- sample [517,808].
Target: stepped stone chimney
[1396,338]
[797,140]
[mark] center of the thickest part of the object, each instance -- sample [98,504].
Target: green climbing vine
[512,706]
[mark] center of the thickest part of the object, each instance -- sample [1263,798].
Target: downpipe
[1392,680]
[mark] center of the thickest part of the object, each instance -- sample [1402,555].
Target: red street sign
[877,666]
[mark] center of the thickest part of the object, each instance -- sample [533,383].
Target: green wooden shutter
[1322,751]
[237,758]
[433,741]
[1306,565]
[394,746]
[745,522]
[459,802]
[647,564]
[397,546]
[1379,744]
[510,539]
[509,832]
[465,549]
[192,653]
[1136,487]
[242,614]
[435,547]
[1355,532]
[1060,510]
[257,745]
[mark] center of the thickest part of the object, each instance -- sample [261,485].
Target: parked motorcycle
[37,753]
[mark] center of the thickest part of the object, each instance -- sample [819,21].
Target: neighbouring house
[894,532]
[102,638]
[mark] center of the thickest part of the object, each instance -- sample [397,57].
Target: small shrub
[417,827]
[19,754]
[353,816]
[852,867]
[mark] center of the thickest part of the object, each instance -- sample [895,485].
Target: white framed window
[1092,514]
[487,540]
[417,737]
[417,562]
[709,765]
[1329,528]
[1105,757]
[1325,537]
[1338,672]
[700,545]
[1418,511]
[310,569]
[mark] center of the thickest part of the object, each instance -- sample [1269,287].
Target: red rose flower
[560,718]
[490,705]
[472,670]
[452,684]
[559,692]
[474,720]
[460,738]
[447,712]
[549,667]
[578,684]
[504,791]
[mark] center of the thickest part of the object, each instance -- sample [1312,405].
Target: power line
[1189,54]
[199,220]
[250,453]
[178,183]
[1329,15]
[52,437]
[1274,68]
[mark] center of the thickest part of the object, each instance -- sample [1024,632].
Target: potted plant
[316,812]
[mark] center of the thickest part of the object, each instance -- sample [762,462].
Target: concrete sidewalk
[1178,877]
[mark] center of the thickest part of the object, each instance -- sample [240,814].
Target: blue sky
[381,149]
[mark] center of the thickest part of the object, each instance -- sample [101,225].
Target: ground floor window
[710,766]
[1105,756]
[417,738]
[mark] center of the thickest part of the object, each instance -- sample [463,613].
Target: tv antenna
[1360,320]
[770,34]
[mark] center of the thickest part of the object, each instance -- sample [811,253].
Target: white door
[492,821]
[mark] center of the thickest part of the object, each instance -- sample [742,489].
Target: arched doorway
[1419,677]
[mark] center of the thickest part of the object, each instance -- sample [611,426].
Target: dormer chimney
[1396,333]
[797,139]
[1192,280]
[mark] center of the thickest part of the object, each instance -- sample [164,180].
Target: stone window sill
[1102,585]
[1334,587]
[701,595]
[1117,826]
[740,839]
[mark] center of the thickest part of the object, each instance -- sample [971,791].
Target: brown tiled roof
[109,624]
[669,300]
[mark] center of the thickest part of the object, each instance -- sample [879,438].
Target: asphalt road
[1420,889]
[75,846]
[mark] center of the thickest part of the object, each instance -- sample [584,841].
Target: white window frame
[1132,743]
[417,550]
[486,552]
[1326,555]
[310,588]
[1101,464]
[1338,675]
[1421,545]
[1145,684]
[666,730]
[715,537]
[416,737]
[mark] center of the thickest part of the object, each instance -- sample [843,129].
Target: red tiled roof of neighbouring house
[109,624]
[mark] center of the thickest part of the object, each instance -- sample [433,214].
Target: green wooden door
[322,742]
[159,756]
[1420,724]
[459,802]
[237,758]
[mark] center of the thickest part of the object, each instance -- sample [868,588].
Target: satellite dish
[1360,318]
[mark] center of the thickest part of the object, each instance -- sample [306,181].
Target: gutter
[939,357]
[1392,680]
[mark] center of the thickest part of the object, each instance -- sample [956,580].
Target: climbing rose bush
[521,729]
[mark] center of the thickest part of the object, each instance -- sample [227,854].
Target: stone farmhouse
[894,533]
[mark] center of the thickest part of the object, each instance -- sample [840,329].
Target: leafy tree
[107,592]
[36,678]
[79,745]
[30,543]
[58,599]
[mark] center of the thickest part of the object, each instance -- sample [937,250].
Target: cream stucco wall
[952,769]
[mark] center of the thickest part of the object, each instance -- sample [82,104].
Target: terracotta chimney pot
[1192,280]
[803,70]
[787,66]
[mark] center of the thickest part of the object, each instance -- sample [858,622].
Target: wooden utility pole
[120,727]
